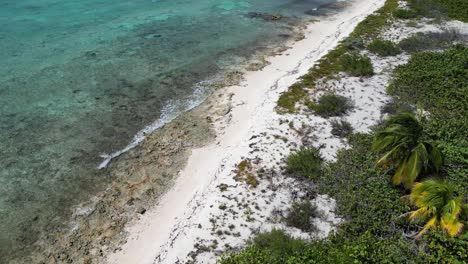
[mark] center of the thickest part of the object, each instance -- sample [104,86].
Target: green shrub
[301,214]
[331,105]
[341,128]
[430,41]
[395,106]
[306,162]
[353,43]
[287,100]
[445,249]
[404,13]
[357,65]
[384,48]
[415,43]
[278,243]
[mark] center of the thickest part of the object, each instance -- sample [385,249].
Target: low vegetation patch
[353,43]
[287,100]
[301,214]
[272,247]
[341,128]
[395,106]
[371,26]
[441,9]
[246,174]
[356,64]
[331,105]
[384,48]
[430,41]
[402,13]
[306,162]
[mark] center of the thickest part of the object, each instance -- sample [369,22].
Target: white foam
[169,112]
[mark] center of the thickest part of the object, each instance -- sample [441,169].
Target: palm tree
[403,148]
[438,202]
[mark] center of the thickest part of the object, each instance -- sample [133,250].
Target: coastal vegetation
[356,64]
[439,204]
[306,162]
[341,128]
[404,150]
[301,214]
[330,105]
[430,41]
[332,63]
[454,9]
[384,48]
[426,152]
[404,13]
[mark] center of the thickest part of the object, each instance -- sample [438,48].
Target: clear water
[81,77]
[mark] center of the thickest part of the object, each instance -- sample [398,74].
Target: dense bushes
[306,162]
[356,64]
[384,48]
[455,9]
[439,83]
[331,105]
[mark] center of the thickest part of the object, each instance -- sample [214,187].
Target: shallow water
[80,78]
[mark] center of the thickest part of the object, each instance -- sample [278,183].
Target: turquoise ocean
[79,78]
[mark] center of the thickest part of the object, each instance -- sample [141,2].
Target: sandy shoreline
[160,235]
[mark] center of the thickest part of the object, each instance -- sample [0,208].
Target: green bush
[353,43]
[395,106]
[429,41]
[404,13]
[331,105]
[287,100]
[384,48]
[357,65]
[278,243]
[301,214]
[341,128]
[306,162]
